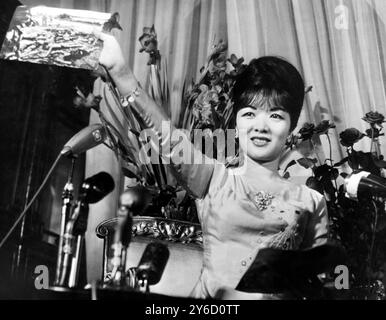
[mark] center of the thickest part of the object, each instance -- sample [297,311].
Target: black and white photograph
[189,155]
[63,37]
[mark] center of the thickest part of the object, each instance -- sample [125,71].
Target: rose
[373,118]
[326,172]
[307,131]
[373,133]
[350,136]
[323,127]
[315,184]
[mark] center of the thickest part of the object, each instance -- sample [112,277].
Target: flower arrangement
[208,102]
[358,225]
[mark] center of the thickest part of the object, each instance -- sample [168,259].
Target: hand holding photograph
[55,36]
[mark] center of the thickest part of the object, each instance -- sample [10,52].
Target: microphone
[152,264]
[133,201]
[96,187]
[92,190]
[364,183]
[85,139]
[137,198]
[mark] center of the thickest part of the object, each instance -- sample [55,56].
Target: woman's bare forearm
[152,114]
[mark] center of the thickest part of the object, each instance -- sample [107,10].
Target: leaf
[306,162]
[290,164]
[286,175]
[131,171]
[308,89]
[323,110]
[344,174]
[341,162]
[353,160]
[336,119]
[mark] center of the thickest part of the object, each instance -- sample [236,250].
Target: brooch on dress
[262,199]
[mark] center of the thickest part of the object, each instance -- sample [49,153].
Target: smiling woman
[268,98]
[249,206]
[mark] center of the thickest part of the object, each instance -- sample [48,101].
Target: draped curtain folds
[344,62]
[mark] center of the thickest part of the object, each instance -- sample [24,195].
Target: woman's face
[262,133]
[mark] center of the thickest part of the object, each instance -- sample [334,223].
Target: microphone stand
[68,239]
[75,230]
[122,239]
[76,261]
[143,285]
[67,198]
[92,190]
[133,200]
[80,228]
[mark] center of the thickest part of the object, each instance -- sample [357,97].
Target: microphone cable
[31,201]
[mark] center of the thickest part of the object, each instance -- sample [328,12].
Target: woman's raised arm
[191,168]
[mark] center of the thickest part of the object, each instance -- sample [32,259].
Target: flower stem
[331,161]
[372,139]
[330,147]
[374,230]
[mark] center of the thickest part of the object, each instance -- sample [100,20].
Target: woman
[245,208]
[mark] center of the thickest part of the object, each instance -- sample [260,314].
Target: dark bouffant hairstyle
[267,82]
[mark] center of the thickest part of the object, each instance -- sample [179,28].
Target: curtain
[342,60]
[338,45]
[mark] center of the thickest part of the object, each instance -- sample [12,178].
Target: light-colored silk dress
[239,210]
[240,213]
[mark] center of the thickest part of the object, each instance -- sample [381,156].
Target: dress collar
[253,169]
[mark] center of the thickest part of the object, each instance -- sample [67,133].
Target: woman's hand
[111,56]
